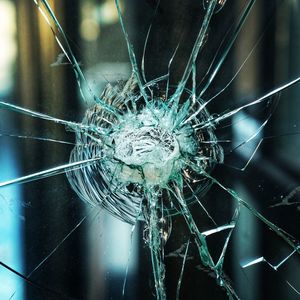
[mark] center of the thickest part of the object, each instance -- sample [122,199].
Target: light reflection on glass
[8,47]
[10,227]
[94,16]
[246,128]
[10,197]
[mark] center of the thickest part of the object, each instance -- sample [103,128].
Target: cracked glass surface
[150,150]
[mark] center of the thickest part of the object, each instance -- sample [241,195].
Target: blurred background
[72,251]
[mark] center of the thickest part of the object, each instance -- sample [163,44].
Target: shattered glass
[149,150]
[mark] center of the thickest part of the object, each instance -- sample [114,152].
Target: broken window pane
[152,155]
